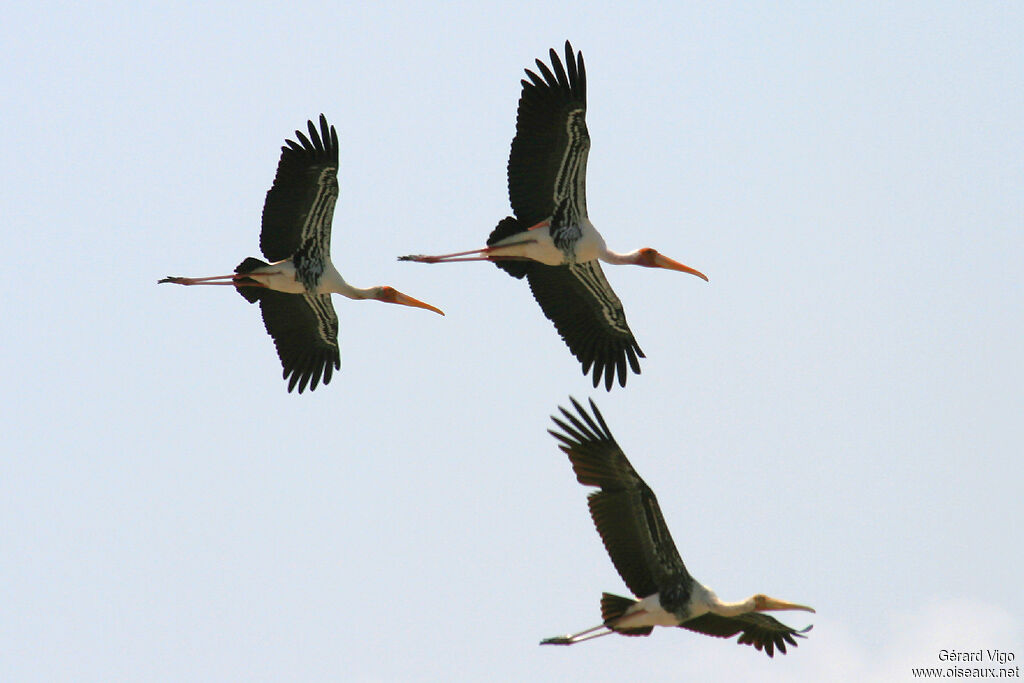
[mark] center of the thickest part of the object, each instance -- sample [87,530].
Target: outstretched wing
[625,510]
[547,167]
[300,204]
[588,315]
[305,331]
[760,630]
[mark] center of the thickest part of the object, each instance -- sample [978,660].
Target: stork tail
[613,607]
[250,294]
[506,227]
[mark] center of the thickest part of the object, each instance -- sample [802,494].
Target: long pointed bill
[406,300]
[661,261]
[771,604]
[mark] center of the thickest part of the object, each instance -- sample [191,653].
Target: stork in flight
[630,523]
[550,240]
[294,289]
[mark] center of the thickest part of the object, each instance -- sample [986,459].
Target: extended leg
[233,279]
[485,254]
[421,258]
[602,630]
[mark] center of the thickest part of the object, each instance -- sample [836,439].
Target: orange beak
[773,604]
[406,300]
[661,261]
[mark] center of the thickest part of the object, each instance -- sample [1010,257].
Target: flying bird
[294,289]
[550,240]
[630,523]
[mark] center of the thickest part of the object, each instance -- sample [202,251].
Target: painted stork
[630,523]
[294,289]
[550,240]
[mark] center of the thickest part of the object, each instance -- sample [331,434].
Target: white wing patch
[570,190]
[592,278]
[315,248]
[326,319]
[321,211]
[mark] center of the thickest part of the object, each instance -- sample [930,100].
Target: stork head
[393,296]
[763,603]
[651,258]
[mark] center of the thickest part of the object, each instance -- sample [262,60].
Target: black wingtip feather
[549,77]
[580,429]
[556,66]
[314,135]
[600,418]
[593,428]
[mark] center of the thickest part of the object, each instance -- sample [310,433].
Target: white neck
[334,283]
[732,609]
[617,259]
[356,292]
[705,600]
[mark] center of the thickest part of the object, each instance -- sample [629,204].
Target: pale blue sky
[835,419]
